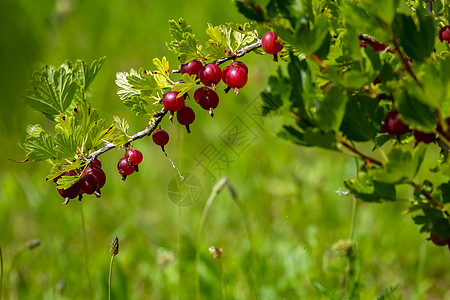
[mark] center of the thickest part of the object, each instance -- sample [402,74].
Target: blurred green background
[294,211]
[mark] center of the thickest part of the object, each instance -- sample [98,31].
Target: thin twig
[362,155]
[241,52]
[147,131]
[430,198]
[110,276]
[405,63]
[320,62]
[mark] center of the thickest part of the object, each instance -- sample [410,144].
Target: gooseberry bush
[370,79]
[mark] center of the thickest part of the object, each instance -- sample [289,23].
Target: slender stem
[86,258]
[321,63]
[222,285]
[405,62]
[1,273]
[353,220]
[179,250]
[362,155]
[248,229]
[110,276]
[205,213]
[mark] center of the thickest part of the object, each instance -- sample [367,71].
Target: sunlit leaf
[51,91]
[39,147]
[186,85]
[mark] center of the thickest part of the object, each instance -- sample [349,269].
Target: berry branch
[159,116]
[147,131]
[239,53]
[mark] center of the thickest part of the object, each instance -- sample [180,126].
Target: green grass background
[289,192]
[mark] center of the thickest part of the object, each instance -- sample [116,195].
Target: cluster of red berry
[128,164]
[393,125]
[92,180]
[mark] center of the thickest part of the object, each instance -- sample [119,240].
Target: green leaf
[86,116]
[99,133]
[177,30]
[52,91]
[34,130]
[331,110]
[83,74]
[415,113]
[250,10]
[271,102]
[324,49]
[162,65]
[94,128]
[369,190]
[435,80]
[140,109]
[445,189]
[417,40]
[371,61]
[186,85]
[383,9]
[302,93]
[135,100]
[69,137]
[217,42]
[362,119]
[187,48]
[382,139]
[282,8]
[289,133]
[126,90]
[142,81]
[402,166]
[362,21]
[318,138]
[39,147]
[352,79]
[121,125]
[433,220]
[305,39]
[58,169]
[66,182]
